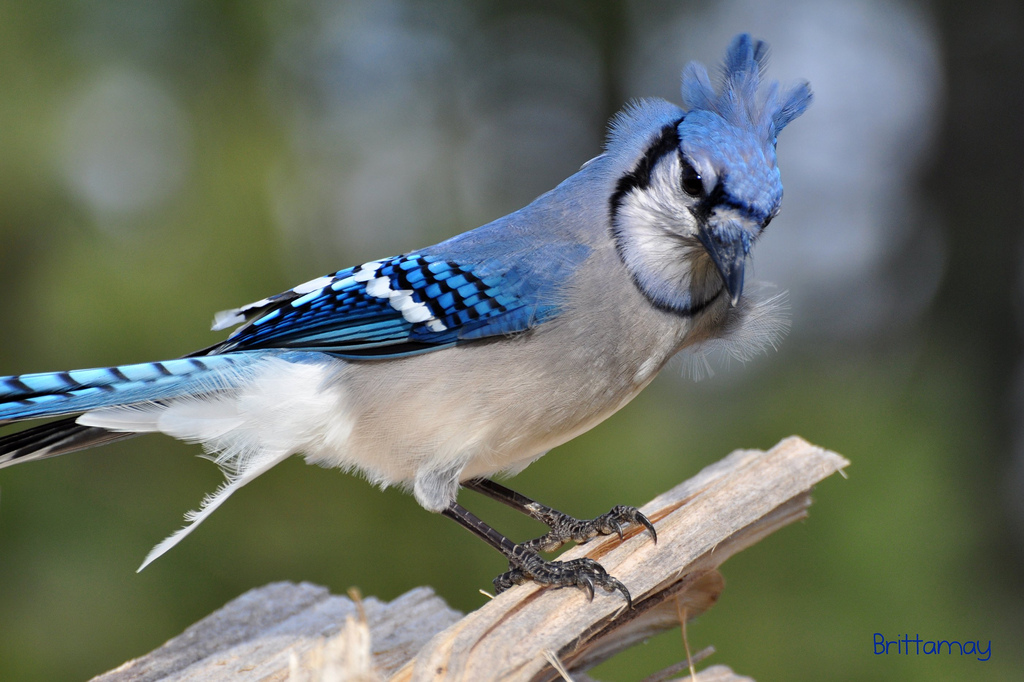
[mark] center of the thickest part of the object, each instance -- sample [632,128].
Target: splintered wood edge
[727,507]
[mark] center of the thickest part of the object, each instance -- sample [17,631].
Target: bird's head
[705,184]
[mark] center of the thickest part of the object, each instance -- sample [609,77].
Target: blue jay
[442,367]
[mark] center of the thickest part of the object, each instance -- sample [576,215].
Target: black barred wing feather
[403,305]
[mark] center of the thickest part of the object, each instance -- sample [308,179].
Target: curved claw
[631,515]
[618,586]
[599,576]
[618,528]
[646,523]
[586,583]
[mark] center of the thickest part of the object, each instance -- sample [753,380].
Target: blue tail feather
[50,394]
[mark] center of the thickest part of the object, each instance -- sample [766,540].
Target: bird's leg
[564,528]
[526,564]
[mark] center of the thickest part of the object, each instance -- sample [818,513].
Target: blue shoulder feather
[404,305]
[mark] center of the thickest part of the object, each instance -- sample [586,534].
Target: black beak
[729,256]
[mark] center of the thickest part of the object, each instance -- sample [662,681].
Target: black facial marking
[640,176]
[715,198]
[718,197]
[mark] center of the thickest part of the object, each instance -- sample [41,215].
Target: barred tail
[57,394]
[51,394]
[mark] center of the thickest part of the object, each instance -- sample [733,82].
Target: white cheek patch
[656,237]
[652,222]
[659,207]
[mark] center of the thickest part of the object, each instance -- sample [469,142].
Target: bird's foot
[524,561]
[527,565]
[565,528]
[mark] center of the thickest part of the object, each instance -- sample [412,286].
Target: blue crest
[737,99]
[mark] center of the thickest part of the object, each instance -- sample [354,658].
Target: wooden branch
[278,631]
[255,636]
[727,507]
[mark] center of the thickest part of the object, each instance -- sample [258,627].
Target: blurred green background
[164,159]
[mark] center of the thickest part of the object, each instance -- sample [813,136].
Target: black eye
[691,181]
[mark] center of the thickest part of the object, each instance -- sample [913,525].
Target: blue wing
[400,306]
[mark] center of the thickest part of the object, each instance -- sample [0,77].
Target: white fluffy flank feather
[209,505]
[280,408]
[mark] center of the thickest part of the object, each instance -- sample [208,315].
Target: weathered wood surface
[255,636]
[279,631]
